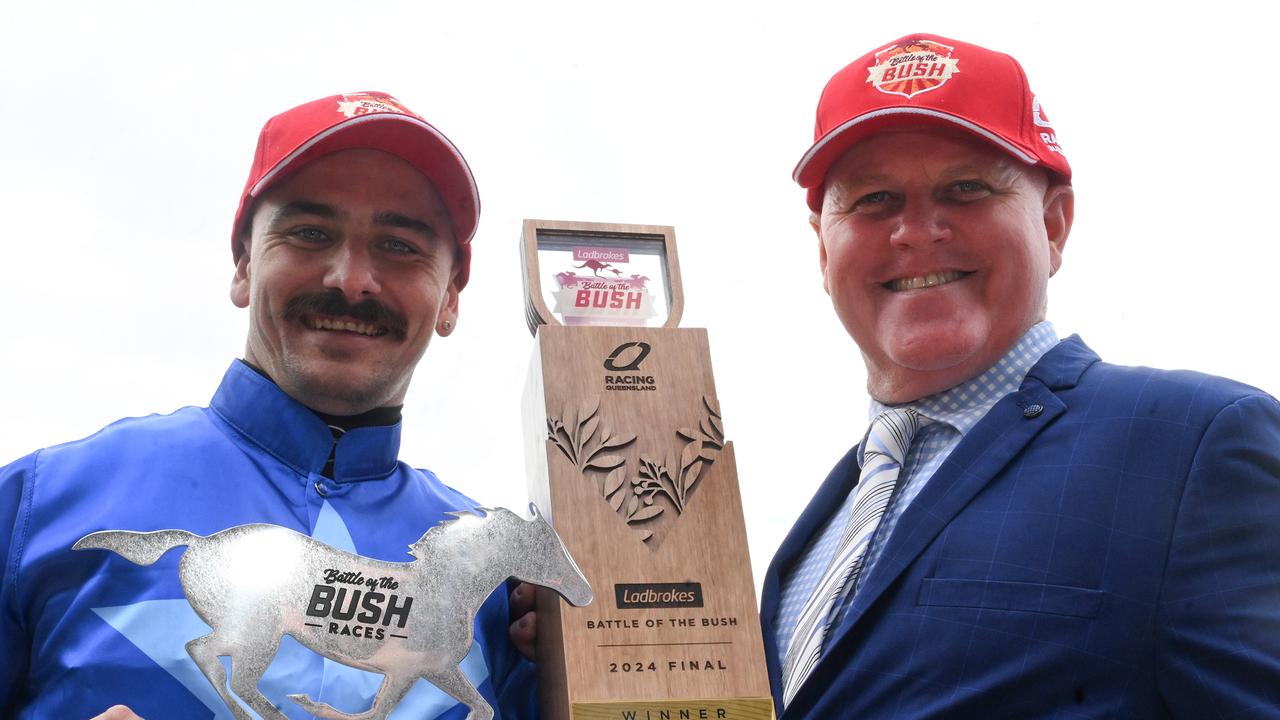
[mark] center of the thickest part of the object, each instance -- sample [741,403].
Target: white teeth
[925,281]
[347,325]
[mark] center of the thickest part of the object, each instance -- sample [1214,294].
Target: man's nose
[922,222]
[351,270]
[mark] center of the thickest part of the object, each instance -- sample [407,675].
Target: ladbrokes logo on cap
[913,67]
[361,104]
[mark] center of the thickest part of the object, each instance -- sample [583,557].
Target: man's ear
[822,249]
[447,318]
[240,281]
[1059,211]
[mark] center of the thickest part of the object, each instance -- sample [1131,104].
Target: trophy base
[629,460]
[714,709]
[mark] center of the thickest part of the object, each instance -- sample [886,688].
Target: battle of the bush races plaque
[254,584]
[628,456]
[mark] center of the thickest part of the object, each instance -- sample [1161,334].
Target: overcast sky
[129,129]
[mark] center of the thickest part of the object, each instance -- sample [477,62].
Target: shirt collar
[964,405]
[284,428]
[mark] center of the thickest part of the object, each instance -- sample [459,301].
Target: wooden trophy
[628,459]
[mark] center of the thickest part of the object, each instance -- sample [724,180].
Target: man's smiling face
[936,250]
[348,274]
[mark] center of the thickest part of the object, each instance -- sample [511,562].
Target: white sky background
[129,127]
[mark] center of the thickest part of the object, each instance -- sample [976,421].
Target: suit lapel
[1010,425]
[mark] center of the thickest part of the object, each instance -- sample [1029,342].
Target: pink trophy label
[598,290]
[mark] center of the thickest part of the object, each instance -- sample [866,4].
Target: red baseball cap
[372,120]
[929,79]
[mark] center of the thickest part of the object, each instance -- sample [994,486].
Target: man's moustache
[334,304]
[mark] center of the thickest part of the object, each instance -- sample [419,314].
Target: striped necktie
[882,458]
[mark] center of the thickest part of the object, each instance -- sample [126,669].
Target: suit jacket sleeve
[1218,644]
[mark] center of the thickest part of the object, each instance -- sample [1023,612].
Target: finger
[118,712]
[523,599]
[524,634]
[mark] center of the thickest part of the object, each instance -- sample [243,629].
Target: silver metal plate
[254,584]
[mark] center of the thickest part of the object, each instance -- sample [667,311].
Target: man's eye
[399,246]
[969,188]
[872,201]
[310,234]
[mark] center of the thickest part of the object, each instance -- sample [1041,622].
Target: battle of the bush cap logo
[913,67]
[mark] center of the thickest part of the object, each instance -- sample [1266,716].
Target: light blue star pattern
[162,628]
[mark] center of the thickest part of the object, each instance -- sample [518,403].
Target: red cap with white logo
[929,79]
[368,120]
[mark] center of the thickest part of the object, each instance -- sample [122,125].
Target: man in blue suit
[1026,531]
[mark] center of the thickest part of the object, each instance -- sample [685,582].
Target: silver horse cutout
[254,584]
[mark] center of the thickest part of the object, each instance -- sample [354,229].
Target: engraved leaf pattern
[669,485]
[615,502]
[707,431]
[590,406]
[689,456]
[711,407]
[588,431]
[617,442]
[646,513]
[606,462]
[614,481]
[656,485]
[695,474]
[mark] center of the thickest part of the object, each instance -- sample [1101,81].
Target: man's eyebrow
[841,188]
[864,179]
[965,169]
[304,207]
[1001,169]
[387,218]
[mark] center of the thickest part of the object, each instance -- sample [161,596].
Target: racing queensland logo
[1045,128]
[912,67]
[623,366]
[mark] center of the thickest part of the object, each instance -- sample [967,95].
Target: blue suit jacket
[1113,554]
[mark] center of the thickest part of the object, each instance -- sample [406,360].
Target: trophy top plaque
[600,274]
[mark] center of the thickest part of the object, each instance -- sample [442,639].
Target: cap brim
[409,139]
[810,173]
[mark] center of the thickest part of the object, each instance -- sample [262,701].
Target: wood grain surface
[604,655]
